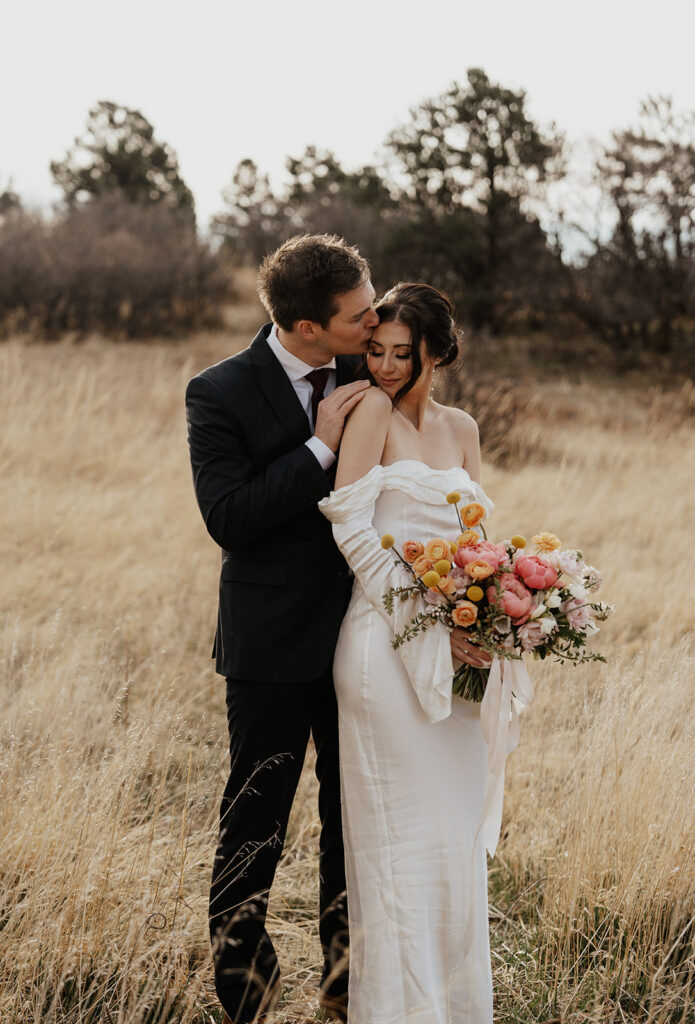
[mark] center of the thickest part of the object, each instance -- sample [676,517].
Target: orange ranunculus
[546,542]
[422,565]
[464,614]
[412,549]
[479,569]
[473,514]
[467,538]
[448,586]
[437,548]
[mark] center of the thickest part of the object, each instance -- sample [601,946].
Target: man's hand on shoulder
[334,410]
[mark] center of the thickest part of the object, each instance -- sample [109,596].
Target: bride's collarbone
[435,447]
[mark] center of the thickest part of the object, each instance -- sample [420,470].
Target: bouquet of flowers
[508,600]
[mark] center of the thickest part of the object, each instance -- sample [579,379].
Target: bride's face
[390,362]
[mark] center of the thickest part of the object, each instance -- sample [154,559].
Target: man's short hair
[301,279]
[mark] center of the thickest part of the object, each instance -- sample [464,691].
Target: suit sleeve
[238,503]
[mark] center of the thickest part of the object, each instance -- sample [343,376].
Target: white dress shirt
[297,370]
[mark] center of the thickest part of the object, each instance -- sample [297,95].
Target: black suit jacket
[284,585]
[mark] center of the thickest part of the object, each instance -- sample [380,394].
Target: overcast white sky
[221,81]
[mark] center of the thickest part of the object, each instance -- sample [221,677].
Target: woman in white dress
[415,764]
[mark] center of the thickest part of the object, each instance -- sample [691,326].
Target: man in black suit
[264,427]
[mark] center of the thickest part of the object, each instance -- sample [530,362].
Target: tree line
[458,198]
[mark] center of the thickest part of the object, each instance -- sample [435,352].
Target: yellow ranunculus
[467,538]
[474,593]
[387,541]
[431,578]
[546,542]
[518,541]
[473,514]
[442,566]
[453,498]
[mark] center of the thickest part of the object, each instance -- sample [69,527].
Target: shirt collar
[294,367]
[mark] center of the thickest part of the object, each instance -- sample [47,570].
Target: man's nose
[372,319]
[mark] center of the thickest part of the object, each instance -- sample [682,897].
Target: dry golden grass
[113,736]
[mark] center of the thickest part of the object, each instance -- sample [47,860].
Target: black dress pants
[269,728]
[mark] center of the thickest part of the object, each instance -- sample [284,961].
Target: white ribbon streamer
[509,691]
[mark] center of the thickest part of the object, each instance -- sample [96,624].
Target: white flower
[554,601]
[592,578]
[537,611]
[578,591]
[547,624]
[502,624]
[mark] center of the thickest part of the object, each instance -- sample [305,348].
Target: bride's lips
[388,383]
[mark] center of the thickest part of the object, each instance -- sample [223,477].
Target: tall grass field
[113,737]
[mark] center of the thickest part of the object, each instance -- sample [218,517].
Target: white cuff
[324,456]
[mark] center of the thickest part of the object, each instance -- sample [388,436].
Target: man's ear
[307,329]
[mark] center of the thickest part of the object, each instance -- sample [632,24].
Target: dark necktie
[318,380]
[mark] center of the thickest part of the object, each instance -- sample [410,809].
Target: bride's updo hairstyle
[428,315]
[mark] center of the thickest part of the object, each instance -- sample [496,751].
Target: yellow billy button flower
[518,541]
[474,593]
[387,541]
[473,514]
[454,547]
[442,566]
[431,578]
[546,542]
[453,498]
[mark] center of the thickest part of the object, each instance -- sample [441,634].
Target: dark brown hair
[429,315]
[301,279]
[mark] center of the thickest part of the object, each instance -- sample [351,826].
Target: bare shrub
[112,266]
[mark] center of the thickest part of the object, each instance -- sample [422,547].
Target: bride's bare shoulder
[460,421]
[374,404]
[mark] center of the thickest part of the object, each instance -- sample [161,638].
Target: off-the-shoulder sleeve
[427,658]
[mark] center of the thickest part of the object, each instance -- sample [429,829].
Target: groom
[264,427]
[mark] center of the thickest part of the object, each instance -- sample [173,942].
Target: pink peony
[514,600]
[535,572]
[484,550]
[578,613]
[531,635]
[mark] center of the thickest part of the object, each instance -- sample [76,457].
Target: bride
[414,761]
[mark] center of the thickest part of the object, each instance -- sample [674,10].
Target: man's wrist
[323,454]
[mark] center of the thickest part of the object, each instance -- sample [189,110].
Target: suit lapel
[277,388]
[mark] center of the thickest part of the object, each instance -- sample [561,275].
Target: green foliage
[470,160]
[119,153]
[638,287]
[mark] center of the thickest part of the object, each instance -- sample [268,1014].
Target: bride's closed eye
[377,355]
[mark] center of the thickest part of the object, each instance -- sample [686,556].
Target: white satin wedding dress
[422,773]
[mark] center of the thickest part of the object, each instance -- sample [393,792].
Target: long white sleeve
[426,658]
